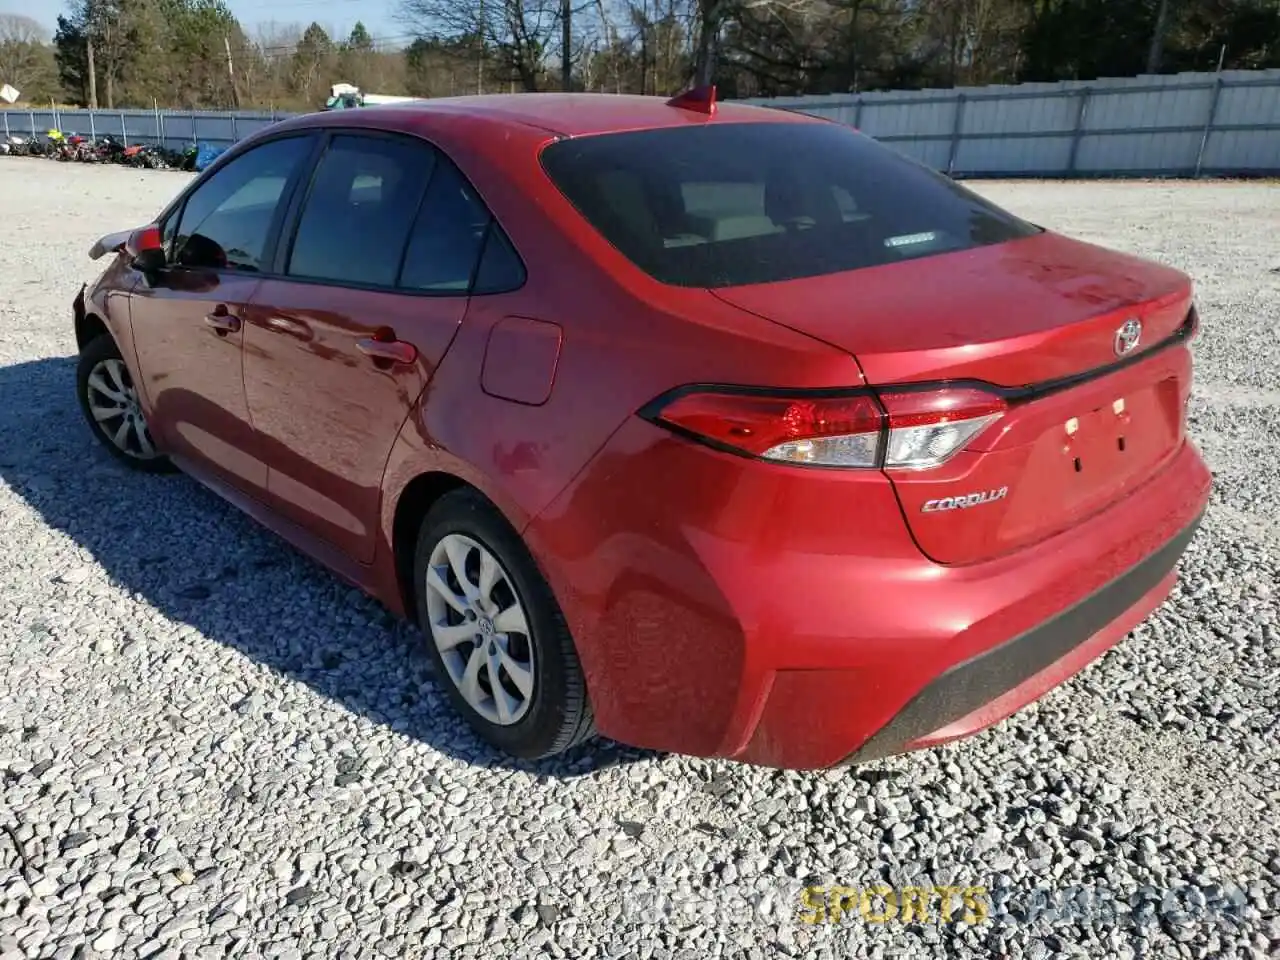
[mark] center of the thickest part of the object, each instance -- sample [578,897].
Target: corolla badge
[964,501]
[1128,336]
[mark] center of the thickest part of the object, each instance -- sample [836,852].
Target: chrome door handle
[393,351]
[223,322]
[289,327]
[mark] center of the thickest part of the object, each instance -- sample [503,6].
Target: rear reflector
[908,428]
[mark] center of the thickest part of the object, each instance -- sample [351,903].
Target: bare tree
[17,29]
[711,17]
[265,64]
[520,31]
[26,60]
[176,51]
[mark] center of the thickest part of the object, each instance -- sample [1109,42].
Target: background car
[721,430]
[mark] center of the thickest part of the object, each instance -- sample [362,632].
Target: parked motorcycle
[58,147]
[82,149]
[15,146]
[145,157]
[108,150]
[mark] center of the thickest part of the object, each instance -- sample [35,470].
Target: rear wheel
[110,406]
[495,632]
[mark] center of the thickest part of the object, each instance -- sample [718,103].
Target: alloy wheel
[478,624]
[113,403]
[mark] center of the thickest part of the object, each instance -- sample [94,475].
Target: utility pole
[480,62]
[566,45]
[1155,53]
[645,52]
[93,77]
[231,72]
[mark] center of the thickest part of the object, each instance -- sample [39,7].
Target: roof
[578,114]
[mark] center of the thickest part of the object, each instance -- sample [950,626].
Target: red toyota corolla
[722,431]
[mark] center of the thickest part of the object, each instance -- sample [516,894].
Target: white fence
[170,128]
[1187,124]
[1184,125]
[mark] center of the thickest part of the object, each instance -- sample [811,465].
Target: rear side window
[729,204]
[359,210]
[447,237]
[501,269]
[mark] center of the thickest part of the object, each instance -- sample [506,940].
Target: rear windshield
[728,204]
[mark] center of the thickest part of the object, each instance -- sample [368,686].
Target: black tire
[99,350]
[559,715]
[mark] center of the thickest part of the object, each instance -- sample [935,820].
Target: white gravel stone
[209,747]
[107,941]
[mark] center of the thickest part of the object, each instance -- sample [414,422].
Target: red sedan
[721,430]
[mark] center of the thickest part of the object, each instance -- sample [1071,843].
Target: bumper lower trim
[966,686]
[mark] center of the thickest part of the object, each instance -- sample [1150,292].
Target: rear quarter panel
[625,339]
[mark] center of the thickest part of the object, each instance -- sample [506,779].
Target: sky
[336,16]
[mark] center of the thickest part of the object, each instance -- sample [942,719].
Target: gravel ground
[209,747]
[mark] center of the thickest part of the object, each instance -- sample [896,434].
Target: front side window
[226,221]
[721,205]
[359,209]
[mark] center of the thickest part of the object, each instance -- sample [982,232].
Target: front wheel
[497,636]
[110,406]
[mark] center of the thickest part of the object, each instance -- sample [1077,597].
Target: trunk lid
[1088,420]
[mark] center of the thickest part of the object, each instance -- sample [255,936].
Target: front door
[188,319]
[340,344]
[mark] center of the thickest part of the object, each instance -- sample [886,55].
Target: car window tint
[358,211]
[447,236]
[226,220]
[501,269]
[736,203]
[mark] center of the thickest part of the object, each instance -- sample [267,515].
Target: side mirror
[145,248]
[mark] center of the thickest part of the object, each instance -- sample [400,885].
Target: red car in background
[721,430]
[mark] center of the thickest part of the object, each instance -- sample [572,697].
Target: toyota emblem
[1128,336]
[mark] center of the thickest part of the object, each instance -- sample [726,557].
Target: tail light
[905,428]
[927,427]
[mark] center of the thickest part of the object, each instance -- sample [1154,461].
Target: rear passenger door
[370,285]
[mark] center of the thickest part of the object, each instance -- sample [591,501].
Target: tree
[436,67]
[1155,53]
[95,42]
[1081,39]
[186,54]
[70,42]
[264,65]
[356,57]
[174,52]
[313,62]
[26,60]
[517,32]
[359,40]
[112,27]
[143,51]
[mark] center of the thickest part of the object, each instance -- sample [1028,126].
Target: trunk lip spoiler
[1185,332]
[1011,395]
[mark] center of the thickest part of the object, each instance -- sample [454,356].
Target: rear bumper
[990,686]
[724,607]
